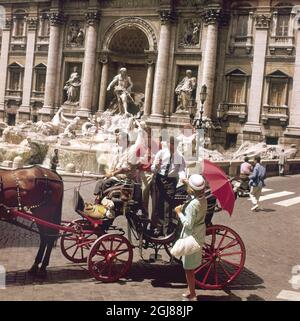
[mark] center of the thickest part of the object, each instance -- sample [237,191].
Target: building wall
[223,54]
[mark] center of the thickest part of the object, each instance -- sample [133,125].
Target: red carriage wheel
[76,247]
[223,258]
[110,257]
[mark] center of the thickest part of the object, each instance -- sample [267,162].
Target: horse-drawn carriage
[101,244]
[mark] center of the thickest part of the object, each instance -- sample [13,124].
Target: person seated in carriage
[125,163]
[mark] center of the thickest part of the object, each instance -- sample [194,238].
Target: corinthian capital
[56,18]
[262,21]
[211,15]
[32,23]
[7,24]
[92,17]
[166,16]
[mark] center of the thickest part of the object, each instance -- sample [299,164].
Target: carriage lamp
[198,120]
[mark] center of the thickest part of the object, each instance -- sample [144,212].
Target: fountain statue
[122,85]
[72,87]
[184,91]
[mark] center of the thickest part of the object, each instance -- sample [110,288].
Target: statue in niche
[122,85]
[72,87]
[75,37]
[184,91]
[191,34]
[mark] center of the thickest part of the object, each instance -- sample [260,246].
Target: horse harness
[20,206]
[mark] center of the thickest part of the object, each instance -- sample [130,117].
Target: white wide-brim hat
[197,182]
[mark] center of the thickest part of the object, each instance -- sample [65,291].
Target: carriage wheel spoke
[232,253]
[222,239]
[231,263]
[202,266]
[216,273]
[122,252]
[224,270]
[82,255]
[75,252]
[116,249]
[69,247]
[229,245]
[207,273]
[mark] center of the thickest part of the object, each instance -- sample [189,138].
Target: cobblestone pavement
[271,237]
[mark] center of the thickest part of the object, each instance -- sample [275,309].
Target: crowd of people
[158,166]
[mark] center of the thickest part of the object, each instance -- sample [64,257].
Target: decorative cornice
[56,18]
[32,23]
[92,17]
[262,21]
[166,16]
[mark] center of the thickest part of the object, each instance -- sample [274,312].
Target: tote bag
[185,246]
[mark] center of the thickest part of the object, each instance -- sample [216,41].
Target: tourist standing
[256,182]
[281,162]
[192,217]
[168,166]
[54,160]
[245,171]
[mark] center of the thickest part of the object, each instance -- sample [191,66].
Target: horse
[38,191]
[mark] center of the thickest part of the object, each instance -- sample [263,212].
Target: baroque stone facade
[246,53]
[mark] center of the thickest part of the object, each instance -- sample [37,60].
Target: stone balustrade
[234,109]
[275,112]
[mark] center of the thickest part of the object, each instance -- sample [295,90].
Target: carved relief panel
[75,34]
[189,34]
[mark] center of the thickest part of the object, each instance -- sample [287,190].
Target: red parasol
[220,186]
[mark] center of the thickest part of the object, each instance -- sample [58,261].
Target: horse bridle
[19,199]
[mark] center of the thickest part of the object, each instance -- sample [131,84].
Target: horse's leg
[38,259]
[43,270]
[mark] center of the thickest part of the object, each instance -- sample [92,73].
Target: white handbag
[185,246]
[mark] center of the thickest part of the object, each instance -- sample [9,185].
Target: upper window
[282,27]
[40,79]
[15,76]
[278,89]
[19,23]
[236,90]
[242,25]
[44,28]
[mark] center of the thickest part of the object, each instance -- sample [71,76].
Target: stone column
[24,110]
[3,64]
[262,23]
[149,86]
[161,71]
[293,129]
[56,19]
[210,17]
[86,94]
[103,83]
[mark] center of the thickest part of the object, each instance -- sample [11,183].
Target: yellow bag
[95,211]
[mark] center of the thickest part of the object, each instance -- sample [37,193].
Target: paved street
[271,237]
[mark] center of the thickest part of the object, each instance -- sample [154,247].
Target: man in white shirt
[168,166]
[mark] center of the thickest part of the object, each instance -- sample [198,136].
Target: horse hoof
[42,274]
[33,270]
